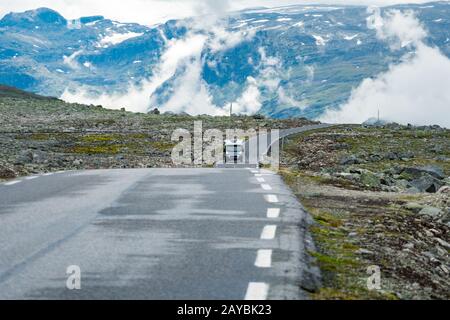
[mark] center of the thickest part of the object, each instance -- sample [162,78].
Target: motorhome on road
[234,151]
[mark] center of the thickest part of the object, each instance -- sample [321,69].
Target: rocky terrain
[39,134]
[380,196]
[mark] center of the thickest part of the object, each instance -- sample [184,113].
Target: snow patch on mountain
[116,38]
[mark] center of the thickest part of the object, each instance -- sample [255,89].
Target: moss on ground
[103,149]
[355,229]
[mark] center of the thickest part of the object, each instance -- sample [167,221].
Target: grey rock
[350,160]
[77,162]
[364,252]
[406,155]
[24,157]
[443,243]
[436,149]
[391,156]
[7,173]
[409,245]
[155,111]
[432,212]
[444,190]
[427,183]
[375,157]
[413,206]
[369,179]
[434,171]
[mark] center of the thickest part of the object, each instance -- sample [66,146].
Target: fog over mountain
[333,62]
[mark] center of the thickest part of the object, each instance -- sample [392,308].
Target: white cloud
[249,103]
[414,91]
[71,60]
[181,63]
[398,28]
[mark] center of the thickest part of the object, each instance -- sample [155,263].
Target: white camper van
[234,151]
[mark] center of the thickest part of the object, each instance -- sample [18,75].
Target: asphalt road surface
[153,234]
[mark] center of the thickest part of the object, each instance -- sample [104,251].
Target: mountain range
[281,62]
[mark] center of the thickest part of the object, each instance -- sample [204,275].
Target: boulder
[25,156]
[258,116]
[350,160]
[434,171]
[155,111]
[427,183]
[444,190]
[413,206]
[432,212]
[7,173]
[391,156]
[77,162]
[406,155]
[375,157]
[369,179]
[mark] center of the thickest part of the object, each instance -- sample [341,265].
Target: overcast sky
[155,11]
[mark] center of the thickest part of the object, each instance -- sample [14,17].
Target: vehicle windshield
[234,148]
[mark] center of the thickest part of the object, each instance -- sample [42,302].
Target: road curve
[153,234]
[264,146]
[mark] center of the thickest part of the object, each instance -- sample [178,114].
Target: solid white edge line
[269,232]
[257,291]
[264,258]
[266,187]
[273,213]
[47,174]
[31,178]
[271,198]
[12,183]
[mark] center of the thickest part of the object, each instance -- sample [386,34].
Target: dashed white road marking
[266,187]
[31,178]
[258,175]
[257,291]
[254,171]
[12,183]
[273,213]
[260,180]
[264,258]
[271,198]
[269,232]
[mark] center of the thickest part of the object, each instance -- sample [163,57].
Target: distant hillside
[287,61]
[11,92]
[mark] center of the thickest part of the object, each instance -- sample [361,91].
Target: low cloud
[182,65]
[399,29]
[249,103]
[414,91]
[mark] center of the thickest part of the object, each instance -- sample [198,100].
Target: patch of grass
[93,138]
[104,149]
[40,136]
[162,145]
[342,268]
